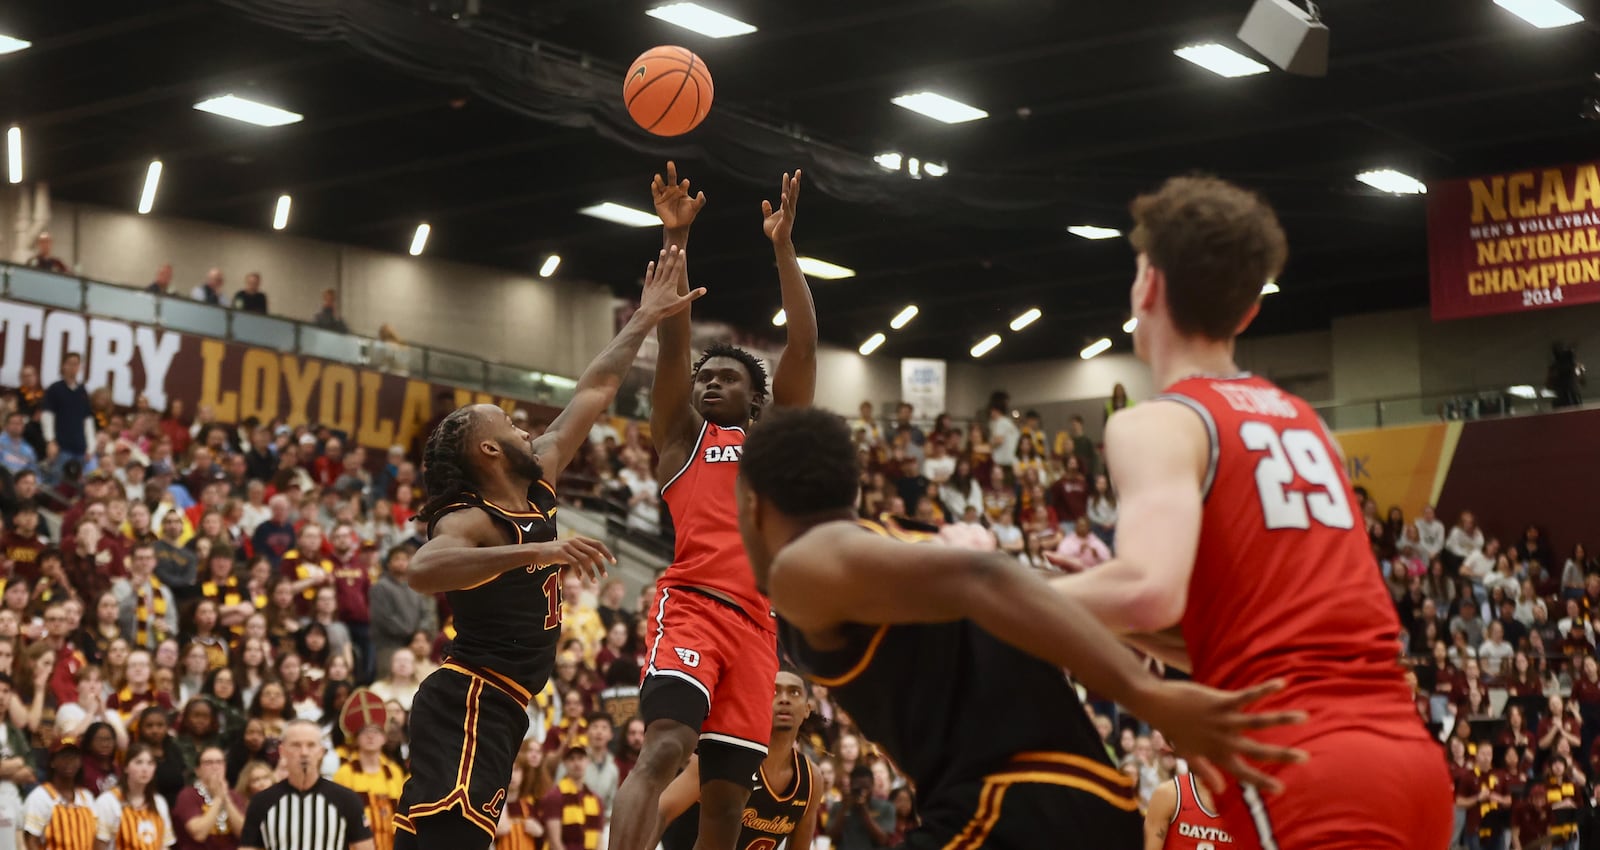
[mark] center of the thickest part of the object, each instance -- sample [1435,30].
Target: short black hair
[805,684]
[752,366]
[804,460]
[599,717]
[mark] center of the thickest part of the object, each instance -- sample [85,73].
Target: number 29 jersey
[1285,584]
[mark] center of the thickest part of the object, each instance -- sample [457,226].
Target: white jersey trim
[732,741]
[1211,434]
[1258,815]
[693,453]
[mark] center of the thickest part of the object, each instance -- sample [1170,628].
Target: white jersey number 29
[1296,454]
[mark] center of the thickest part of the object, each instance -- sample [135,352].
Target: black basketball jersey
[511,623]
[948,701]
[769,817]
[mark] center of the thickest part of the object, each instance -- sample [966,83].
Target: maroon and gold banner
[236,381]
[1507,243]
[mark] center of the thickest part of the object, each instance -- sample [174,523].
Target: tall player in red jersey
[1182,816]
[713,641]
[1235,520]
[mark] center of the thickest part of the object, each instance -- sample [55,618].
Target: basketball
[668,90]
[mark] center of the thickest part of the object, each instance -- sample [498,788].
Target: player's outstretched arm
[598,386]
[673,423]
[794,384]
[679,796]
[1158,453]
[466,550]
[837,574]
[1158,818]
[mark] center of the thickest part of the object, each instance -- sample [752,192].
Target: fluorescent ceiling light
[1130,325]
[697,18]
[551,263]
[152,179]
[780,318]
[1222,61]
[11,44]
[890,160]
[280,214]
[904,317]
[249,111]
[14,154]
[824,269]
[1389,180]
[619,214]
[1026,319]
[1095,348]
[872,343]
[1091,231]
[1543,14]
[560,383]
[935,169]
[914,166]
[986,345]
[1271,288]
[419,240]
[939,108]
[1523,391]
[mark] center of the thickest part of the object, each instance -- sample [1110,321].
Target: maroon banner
[1513,242]
[375,409]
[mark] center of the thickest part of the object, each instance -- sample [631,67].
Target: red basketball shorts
[1360,790]
[730,659]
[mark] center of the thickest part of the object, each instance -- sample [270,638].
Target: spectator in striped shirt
[59,815]
[571,812]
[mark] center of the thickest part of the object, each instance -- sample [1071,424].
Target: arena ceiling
[498,128]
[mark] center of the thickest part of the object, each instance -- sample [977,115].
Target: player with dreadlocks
[713,655]
[492,547]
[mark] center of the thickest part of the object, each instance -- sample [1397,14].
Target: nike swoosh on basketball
[639,72]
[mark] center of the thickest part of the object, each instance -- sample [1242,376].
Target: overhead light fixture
[1095,348]
[935,169]
[1271,288]
[824,269]
[890,160]
[249,111]
[939,108]
[780,318]
[904,317]
[11,44]
[280,215]
[872,343]
[1220,60]
[697,18]
[1544,14]
[619,214]
[419,240]
[1389,180]
[152,179]
[986,345]
[14,155]
[1289,34]
[1091,231]
[914,167]
[1523,391]
[1026,319]
[551,263]
[1130,325]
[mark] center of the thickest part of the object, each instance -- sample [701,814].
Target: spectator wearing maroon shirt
[22,543]
[571,812]
[209,815]
[352,584]
[1069,495]
[1516,737]
[328,468]
[58,626]
[306,567]
[1562,723]
[1586,695]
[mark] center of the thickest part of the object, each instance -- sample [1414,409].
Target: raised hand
[778,223]
[674,205]
[660,298]
[586,555]
[1207,725]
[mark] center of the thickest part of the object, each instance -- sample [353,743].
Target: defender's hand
[660,298]
[674,205]
[778,223]
[1207,726]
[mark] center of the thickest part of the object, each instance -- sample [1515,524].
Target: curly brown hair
[1217,245]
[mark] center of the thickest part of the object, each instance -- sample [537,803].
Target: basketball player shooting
[1235,520]
[492,547]
[713,654]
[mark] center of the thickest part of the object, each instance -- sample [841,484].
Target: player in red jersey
[713,653]
[1182,816]
[1235,519]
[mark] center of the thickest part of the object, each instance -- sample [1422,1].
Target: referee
[305,811]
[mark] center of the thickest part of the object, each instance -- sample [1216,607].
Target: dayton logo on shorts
[723,454]
[689,657]
[492,808]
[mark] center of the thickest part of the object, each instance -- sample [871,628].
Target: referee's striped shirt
[327,817]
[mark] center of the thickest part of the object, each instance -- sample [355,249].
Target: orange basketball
[668,90]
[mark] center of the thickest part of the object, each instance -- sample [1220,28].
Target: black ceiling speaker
[1292,38]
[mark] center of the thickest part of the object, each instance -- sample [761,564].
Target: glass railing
[1482,403]
[115,301]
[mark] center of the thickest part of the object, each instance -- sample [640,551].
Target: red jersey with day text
[1194,827]
[705,519]
[1285,584]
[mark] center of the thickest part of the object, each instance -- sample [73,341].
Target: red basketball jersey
[1194,827]
[705,520]
[1285,584]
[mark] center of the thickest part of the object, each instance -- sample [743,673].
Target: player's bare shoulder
[1160,432]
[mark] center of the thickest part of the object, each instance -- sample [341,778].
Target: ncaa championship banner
[1506,243]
